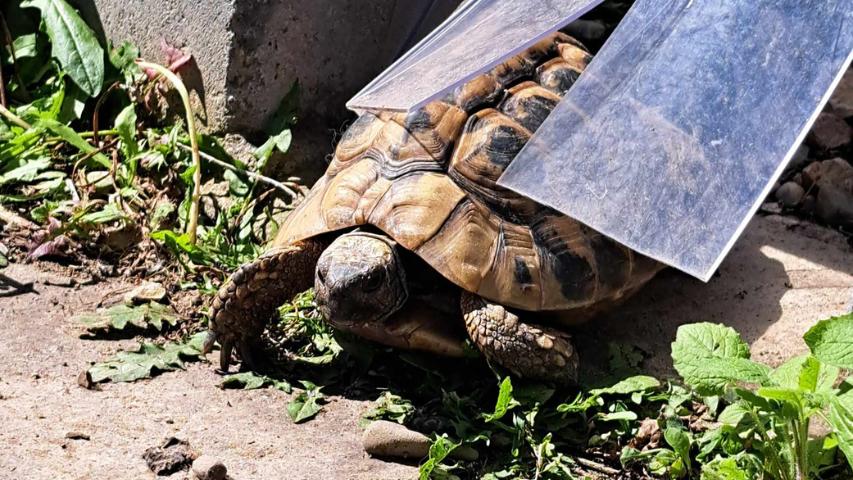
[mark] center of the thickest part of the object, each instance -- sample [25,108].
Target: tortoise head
[359,279]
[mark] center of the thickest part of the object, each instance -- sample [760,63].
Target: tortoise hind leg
[249,298]
[525,349]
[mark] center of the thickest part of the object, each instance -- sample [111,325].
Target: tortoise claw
[225,356]
[249,298]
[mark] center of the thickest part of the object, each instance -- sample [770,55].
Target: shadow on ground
[781,277]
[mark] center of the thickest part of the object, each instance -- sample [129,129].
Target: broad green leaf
[26,46]
[126,126]
[831,341]
[733,414]
[637,383]
[119,317]
[664,461]
[710,356]
[69,135]
[73,104]
[123,58]
[841,420]
[73,43]
[388,407]
[148,360]
[306,405]
[790,395]
[110,213]
[439,450]
[252,381]
[788,374]
[630,455]
[264,152]
[285,115]
[504,402]
[810,374]
[679,440]
[822,452]
[805,372]
[723,469]
[26,172]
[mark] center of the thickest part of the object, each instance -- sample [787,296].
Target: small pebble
[829,132]
[147,292]
[790,194]
[77,436]
[207,467]
[388,439]
[171,456]
[834,205]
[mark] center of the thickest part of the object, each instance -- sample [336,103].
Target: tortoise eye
[373,282]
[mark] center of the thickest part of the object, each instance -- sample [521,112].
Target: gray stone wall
[248,52]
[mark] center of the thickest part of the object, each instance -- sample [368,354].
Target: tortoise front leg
[527,350]
[249,298]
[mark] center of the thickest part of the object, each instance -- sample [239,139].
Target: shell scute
[428,179]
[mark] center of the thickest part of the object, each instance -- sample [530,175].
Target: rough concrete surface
[248,52]
[199,27]
[249,431]
[782,276]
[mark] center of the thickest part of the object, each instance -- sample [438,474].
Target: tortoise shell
[429,179]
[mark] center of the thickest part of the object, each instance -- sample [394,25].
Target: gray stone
[790,194]
[829,132]
[842,98]
[834,205]
[171,456]
[207,467]
[146,292]
[247,54]
[388,439]
[835,171]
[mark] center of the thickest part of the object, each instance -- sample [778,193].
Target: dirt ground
[781,277]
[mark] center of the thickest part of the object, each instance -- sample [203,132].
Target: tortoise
[408,234]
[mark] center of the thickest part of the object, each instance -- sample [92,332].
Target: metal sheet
[676,131]
[479,35]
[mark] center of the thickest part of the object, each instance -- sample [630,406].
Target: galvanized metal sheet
[479,35]
[674,134]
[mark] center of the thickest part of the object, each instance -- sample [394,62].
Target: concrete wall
[199,27]
[248,52]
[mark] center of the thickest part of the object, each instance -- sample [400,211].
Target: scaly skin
[360,291]
[527,350]
[249,298]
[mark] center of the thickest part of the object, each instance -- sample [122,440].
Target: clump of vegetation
[91,168]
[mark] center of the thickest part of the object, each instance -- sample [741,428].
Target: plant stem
[803,435]
[783,473]
[255,176]
[105,133]
[14,118]
[192,224]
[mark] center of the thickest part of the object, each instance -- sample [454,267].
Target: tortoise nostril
[321,276]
